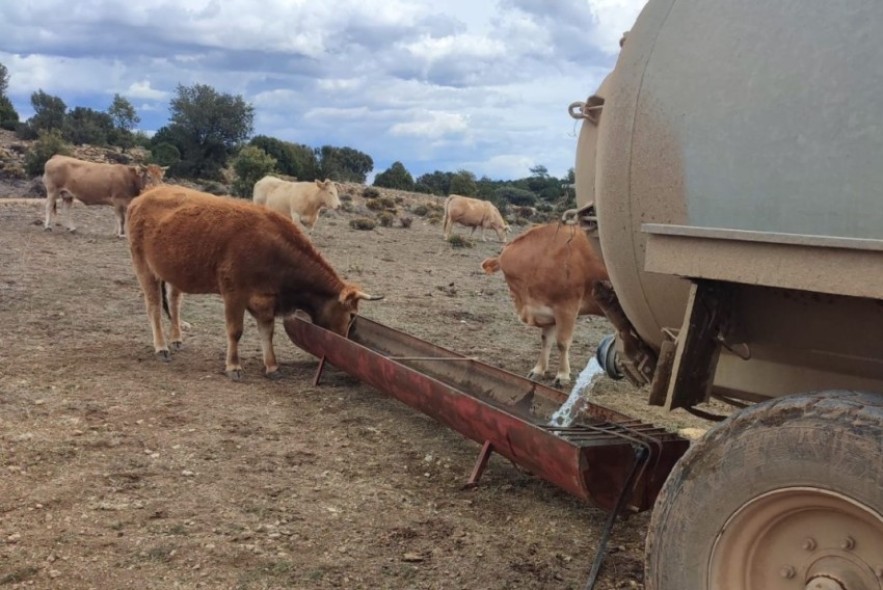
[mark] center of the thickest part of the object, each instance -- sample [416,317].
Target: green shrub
[515,196]
[347,207]
[387,203]
[386,219]
[12,170]
[362,223]
[8,114]
[370,192]
[215,188]
[399,200]
[406,221]
[420,210]
[458,241]
[47,145]
[345,198]
[165,154]
[434,219]
[251,164]
[374,204]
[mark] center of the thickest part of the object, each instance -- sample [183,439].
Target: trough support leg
[480,464]
[319,371]
[642,455]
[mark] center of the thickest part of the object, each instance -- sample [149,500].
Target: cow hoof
[164,355]
[71,230]
[176,346]
[559,382]
[47,228]
[534,376]
[235,375]
[274,375]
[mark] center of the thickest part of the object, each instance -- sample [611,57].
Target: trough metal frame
[617,463]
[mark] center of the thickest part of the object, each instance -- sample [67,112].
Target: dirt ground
[118,471]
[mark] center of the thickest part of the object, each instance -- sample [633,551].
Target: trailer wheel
[786,494]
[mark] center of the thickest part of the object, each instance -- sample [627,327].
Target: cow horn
[366,297]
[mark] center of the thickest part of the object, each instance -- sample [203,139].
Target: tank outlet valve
[608,358]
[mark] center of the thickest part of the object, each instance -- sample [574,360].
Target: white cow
[474,213]
[301,201]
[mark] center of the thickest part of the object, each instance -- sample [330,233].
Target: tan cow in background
[474,213]
[550,270]
[256,259]
[95,184]
[301,201]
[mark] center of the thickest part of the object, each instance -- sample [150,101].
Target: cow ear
[318,183]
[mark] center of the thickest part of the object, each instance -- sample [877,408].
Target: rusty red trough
[594,459]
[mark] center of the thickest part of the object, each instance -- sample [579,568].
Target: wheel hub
[799,538]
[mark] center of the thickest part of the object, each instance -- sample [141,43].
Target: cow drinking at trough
[550,270]
[95,184]
[301,201]
[256,259]
[474,213]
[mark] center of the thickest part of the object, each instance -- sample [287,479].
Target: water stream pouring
[585,382]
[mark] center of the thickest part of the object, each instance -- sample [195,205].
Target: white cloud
[614,18]
[144,91]
[432,125]
[456,85]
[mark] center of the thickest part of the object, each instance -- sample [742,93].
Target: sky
[478,85]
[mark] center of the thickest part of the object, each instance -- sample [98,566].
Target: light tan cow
[301,201]
[256,259]
[95,184]
[550,270]
[474,213]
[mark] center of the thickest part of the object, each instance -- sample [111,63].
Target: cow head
[328,193]
[337,314]
[149,176]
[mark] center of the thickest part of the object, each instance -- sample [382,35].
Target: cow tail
[447,219]
[165,299]
[491,265]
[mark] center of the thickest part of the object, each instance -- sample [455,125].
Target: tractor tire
[787,494]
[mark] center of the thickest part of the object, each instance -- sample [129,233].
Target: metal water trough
[615,462]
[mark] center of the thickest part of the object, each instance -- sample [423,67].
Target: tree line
[209,131]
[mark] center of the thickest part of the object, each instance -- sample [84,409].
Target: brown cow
[95,184]
[301,201]
[550,270]
[256,259]
[474,213]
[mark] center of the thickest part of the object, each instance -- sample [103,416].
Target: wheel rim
[799,538]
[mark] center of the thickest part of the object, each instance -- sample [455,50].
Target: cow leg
[262,309]
[539,370]
[152,288]
[175,298]
[51,213]
[565,319]
[234,312]
[120,210]
[483,238]
[66,205]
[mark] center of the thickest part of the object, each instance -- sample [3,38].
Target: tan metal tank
[731,169]
[726,130]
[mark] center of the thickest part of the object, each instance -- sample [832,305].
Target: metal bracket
[642,456]
[698,345]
